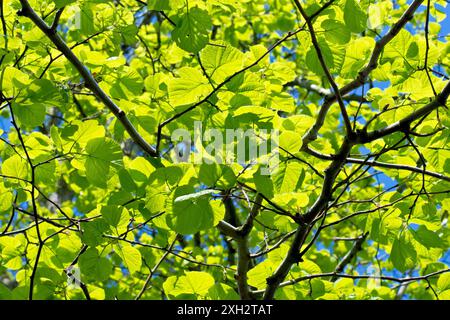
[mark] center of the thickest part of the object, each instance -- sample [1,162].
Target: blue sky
[445,26]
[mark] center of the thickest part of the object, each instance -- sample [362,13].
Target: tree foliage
[92,91]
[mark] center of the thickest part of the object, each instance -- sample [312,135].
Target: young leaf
[191,32]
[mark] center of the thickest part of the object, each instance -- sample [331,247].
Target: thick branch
[330,175]
[293,255]
[240,235]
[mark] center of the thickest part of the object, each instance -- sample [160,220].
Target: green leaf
[403,255]
[84,131]
[191,32]
[194,282]
[15,166]
[86,18]
[216,175]
[5,293]
[6,198]
[400,46]
[445,295]
[428,238]
[355,18]
[281,101]
[292,201]
[116,216]
[140,169]
[290,143]
[45,173]
[44,91]
[357,53]
[29,115]
[443,282]
[263,184]
[131,257]
[221,60]
[101,153]
[377,15]
[221,291]
[189,87]
[190,212]
[193,196]
[312,59]
[159,5]
[288,177]
[95,267]
[129,84]
[249,90]
[336,31]
[92,232]
[63,3]
[310,267]
[257,276]
[13,79]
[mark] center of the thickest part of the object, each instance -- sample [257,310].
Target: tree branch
[222,84]
[404,124]
[326,93]
[311,135]
[374,163]
[153,270]
[357,246]
[293,255]
[356,277]
[333,84]
[90,81]
[56,20]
